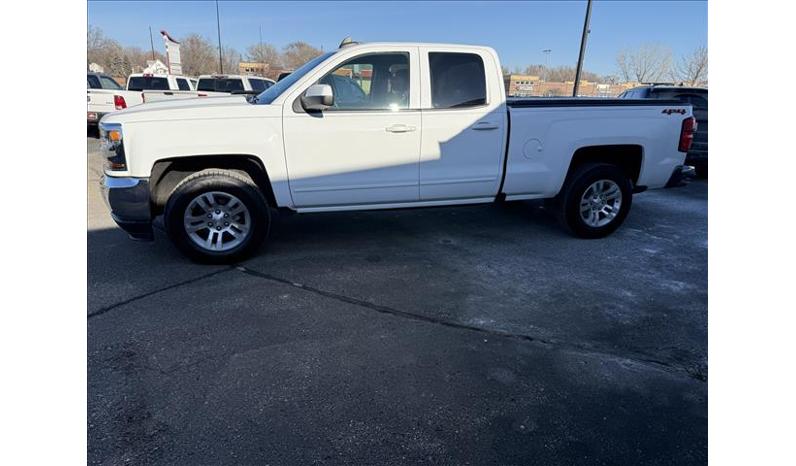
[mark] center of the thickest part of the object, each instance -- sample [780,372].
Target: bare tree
[198,56]
[264,53]
[101,49]
[692,70]
[231,60]
[648,63]
[560,73]
[296,54]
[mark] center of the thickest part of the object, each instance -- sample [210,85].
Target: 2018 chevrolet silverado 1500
[407,125]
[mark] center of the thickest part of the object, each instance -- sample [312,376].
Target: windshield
[268,96]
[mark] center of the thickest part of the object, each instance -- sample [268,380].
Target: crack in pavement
[643,359]
[639,358]
[159,290]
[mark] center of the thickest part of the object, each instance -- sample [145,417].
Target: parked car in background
[428,125]
[105,95]
[698,98]
[233,83]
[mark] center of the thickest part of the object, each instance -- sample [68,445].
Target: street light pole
[546,53]
[582,49]
[218,26]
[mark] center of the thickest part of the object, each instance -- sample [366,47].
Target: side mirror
[318,97]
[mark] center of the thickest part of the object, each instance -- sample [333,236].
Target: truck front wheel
[217,216]
[595,200]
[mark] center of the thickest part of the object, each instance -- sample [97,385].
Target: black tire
[567,203]
[701,170]
[232,183]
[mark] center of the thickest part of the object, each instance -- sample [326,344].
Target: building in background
[95,68]
[155,67]
[250,68]
[521,85]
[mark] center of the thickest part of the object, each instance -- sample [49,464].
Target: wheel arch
[167,173]
[629,157]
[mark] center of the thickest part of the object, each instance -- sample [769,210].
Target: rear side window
[93,82]
[206,84]
[259,85]
[698,102]
[183,84]
[457,80]
[148,83]
[221,84]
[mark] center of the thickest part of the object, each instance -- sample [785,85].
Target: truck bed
[521,102]
[546,132]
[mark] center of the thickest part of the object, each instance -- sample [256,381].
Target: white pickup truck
[378,126]
[233,83]
[157,87]
[105,95]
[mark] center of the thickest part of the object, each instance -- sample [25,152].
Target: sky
[519,31]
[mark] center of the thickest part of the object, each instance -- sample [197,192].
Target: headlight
[112,145]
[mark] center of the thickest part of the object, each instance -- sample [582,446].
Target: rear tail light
[119,102]
[687,134]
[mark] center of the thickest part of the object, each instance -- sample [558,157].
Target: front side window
[371,82]
[286,80]
[457,80]
[93,82]
[108,83]
[183,84]
[148,83]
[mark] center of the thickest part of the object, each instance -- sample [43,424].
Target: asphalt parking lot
[472,335]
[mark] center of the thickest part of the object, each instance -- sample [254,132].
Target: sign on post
[172,53]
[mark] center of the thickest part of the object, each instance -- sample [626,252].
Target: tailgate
[157,96]
[97,103]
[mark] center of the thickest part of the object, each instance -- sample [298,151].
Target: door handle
[484,125]
[400,128]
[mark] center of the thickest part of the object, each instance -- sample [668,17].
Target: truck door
[464,125]
[365,148]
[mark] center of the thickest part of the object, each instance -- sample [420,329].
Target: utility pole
[262,55]
[151,43]
[582,48]
[546,53]
[218,26]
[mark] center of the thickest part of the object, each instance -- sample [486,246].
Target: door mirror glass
[317,98]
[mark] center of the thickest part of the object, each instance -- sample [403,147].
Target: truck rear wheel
[217,216]
[595,200]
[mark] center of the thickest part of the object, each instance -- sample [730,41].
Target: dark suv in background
[698,98]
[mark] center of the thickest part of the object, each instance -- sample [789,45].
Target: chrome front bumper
[128,201]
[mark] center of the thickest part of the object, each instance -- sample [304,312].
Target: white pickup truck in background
[157,87]
[105,95]
[235,83]
[376,126]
